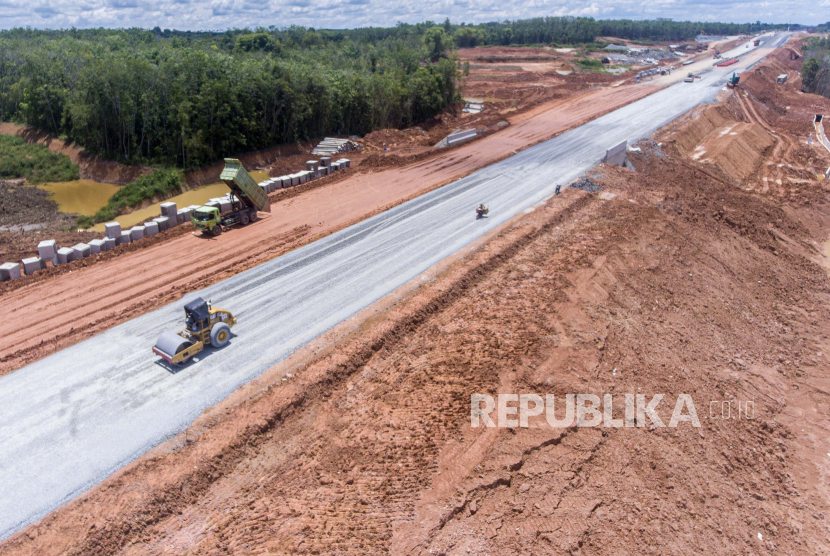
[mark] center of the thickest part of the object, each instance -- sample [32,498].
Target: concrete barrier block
[312,165]
[224,205]
[48,250]
[81,250]
[151,228]
[184,215]
[9,271]
[95,246]
[113,229]
[265,188]
[168,209]
[109,243]
[347,162]
[123,238]
[163,223]
[32,265]
[66,255]
[136,233]
[325,161]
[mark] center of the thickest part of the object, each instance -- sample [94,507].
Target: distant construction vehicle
[204,325]
[245,199]
[733,81]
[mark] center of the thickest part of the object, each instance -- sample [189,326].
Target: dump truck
[204,325]
[246,198]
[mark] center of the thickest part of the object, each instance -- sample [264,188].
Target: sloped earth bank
[673,280]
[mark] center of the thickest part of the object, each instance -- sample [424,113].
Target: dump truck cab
[204,326]
[205,219]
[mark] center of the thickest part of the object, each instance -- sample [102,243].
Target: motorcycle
[481,212]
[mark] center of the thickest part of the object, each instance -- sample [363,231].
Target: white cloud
[333,14]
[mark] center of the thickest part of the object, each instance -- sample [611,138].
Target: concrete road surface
[72,419]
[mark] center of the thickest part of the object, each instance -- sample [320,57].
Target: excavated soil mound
[716,136]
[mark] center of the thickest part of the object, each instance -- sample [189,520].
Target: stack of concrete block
[32,265]
[82,250]
[96,246]
[136,233]
[312,165]
[169,211]
[48,250]
[66,255]
[9,271]
[113,229]
[151,228]
[109,243]
[165,222]
[125,237]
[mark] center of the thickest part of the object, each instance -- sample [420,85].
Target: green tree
[437,42]
[809,72]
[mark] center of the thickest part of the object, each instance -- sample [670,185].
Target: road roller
[204,325]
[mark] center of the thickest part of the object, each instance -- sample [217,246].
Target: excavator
[204,325]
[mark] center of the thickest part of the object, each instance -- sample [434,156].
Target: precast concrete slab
[136,233]
[168,209]
[66,255]
[9,271]
[184,215]
[32,265]
[48,250]
[81,250]
[163,223]
[151,229]
[615,156]
[96,246]
[113,229]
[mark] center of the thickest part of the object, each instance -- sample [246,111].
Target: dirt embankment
[682,282]
[89,166]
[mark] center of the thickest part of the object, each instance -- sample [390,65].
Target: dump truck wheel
[245,220]
[217,230]
[220,335]
[253,216]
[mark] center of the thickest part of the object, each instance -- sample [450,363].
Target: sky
[339,14]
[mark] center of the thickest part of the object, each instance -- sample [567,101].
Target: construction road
[73,418]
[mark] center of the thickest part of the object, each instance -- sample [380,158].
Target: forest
[184,99]
[815,73]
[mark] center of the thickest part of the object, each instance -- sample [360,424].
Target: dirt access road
[680,278]
[94,298]
[73,418]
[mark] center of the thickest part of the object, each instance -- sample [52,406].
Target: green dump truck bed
[243,185]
